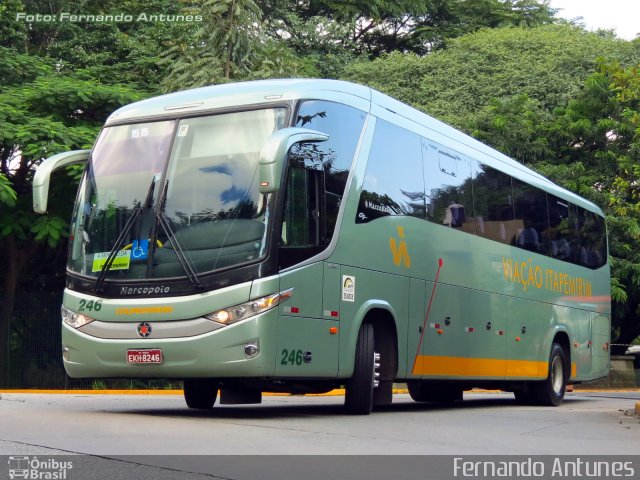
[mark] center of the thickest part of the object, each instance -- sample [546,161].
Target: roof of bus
[189,102]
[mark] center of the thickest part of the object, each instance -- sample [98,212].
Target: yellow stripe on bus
[481,367]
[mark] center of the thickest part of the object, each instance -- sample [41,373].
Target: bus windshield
[164,198]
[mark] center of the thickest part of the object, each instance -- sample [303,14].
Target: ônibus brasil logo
[35,469]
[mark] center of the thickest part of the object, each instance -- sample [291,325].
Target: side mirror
[44,171]
[274,151]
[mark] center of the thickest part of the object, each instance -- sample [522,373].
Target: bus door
[308,330]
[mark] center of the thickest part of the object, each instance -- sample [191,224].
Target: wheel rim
[376,369]
[557,375]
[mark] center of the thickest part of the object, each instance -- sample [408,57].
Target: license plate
[149,356]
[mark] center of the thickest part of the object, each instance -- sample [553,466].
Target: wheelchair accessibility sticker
[139,250]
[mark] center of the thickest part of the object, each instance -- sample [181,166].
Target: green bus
[305,235]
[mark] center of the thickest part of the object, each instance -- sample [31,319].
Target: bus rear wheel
[200,393]
[359,394]
[550,392]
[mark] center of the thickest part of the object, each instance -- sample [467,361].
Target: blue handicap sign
[140,249]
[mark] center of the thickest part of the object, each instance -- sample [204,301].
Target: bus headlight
[73,319]
[234,314]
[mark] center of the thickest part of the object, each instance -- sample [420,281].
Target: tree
[41,113]
[375,27]
[228,46]
[58,83]
[517,126]
[597,140]
[107,52]
[247,39]
[547,63]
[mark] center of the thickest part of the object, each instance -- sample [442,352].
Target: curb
[332,393]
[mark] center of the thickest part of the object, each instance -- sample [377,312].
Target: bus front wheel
[200,393]
[359,394]
[551,391]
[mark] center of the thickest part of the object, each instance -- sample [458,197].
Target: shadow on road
[270,409]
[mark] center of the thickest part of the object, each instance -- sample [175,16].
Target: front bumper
[220,353]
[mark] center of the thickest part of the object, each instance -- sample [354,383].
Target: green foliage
[49,229]
[515,126]
[376,27]
[229,45]
[250,39]
[42,112]
[7,194]
[548,64]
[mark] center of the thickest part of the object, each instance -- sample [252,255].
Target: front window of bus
[151,208]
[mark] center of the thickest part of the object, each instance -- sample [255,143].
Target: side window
[564,230]
[530,212]
[344,125]
[447,178]
[593,245]
[301,219]
[316,179]
[393,180]
[302,232]
[493,204]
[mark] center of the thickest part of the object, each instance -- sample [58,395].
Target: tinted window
[447,178]
[564,229]
[393,180]
[343,124]
[464,194]
[301,213]
[530,213]
[493,205]
[593,245]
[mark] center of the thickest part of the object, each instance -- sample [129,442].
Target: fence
[34,352]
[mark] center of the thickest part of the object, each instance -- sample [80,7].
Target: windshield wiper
[116,248]
[120,240]
[166,227]
[177,248]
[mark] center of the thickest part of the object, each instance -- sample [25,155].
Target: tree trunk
[228,59]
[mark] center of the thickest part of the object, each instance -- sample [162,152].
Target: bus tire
[359,394]
[383,394]
[429,392]
[550,392]
[200,393]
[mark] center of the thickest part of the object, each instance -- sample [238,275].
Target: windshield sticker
[140,249]
[183,130]
[348,288]
[121,262]
[139,132]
